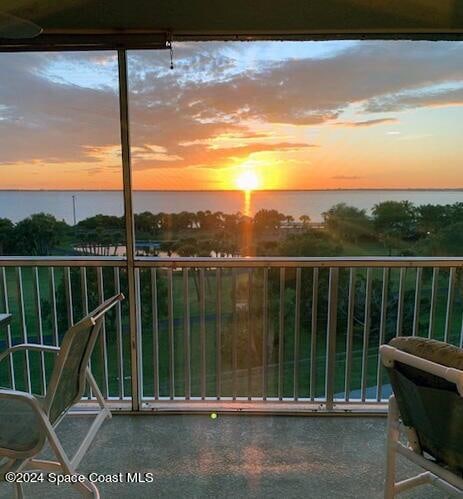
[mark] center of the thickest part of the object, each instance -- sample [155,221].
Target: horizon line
[375,189]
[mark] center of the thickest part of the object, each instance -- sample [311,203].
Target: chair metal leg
[392,439]
[104,414]
[18,491]
[87,489]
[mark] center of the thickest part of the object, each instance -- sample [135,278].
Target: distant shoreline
[19,204]
[410,189]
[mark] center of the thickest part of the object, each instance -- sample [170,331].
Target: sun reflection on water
[247,203]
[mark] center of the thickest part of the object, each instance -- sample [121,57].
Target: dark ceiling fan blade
[16,28]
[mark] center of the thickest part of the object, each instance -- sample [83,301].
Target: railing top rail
[363,261]
[243,262]
[62,261]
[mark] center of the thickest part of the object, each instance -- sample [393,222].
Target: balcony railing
[249,333]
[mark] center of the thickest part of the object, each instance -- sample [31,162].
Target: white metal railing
[272,332]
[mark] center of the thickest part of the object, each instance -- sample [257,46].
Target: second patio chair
[427,381]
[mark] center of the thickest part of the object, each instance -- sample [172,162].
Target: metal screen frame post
[135,333]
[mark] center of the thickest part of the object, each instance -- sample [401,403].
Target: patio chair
[427,381]
[27,421]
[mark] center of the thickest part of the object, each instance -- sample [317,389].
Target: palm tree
[305,219]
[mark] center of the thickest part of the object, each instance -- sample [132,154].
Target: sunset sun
[247,181]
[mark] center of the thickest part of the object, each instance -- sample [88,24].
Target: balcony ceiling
[124,20]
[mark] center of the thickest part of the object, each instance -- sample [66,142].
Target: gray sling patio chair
[27,421]
[427,381]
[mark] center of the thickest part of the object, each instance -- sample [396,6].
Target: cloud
[301,92]
[417,98]
[50,121]
[152,152]
[366,123]
[207,157]
[177,115]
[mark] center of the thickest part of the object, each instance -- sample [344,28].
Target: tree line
[398,227]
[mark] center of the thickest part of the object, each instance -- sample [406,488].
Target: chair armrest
[25,397]
[390,354]
[29,346]
[41,418]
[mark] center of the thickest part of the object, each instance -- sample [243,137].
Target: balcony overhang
[70,24]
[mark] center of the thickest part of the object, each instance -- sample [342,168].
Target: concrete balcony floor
[193,456]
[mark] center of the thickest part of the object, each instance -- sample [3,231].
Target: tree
[289,219]
[187,247]
[347,222]
[38,234]
[185,220]
[168,247]
[146,224]
[268,220]
[208,221]
[431,218]
[310,243]
[100,234]
[456,212]
[395,222]
[448,241]
[6,235]
[305,220]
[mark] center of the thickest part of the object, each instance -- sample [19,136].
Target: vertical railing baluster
[366,334]
[186,332]
[265,335]
[202,325]
[249,335]
[331,336]
[68,294]
[155,330]
[139,334]
[84,299]
[218,332]
[297,320]
[281,333]
[102,334]
[6,309]
[119,342]
[313,337]
[417,304]
[84,290]
[449,308]
[170,312]
[432,310]
[350,333]
[39,325]
[54,313]
[461,333]
[400,304]
[23,326]
[382,332]
[235,336]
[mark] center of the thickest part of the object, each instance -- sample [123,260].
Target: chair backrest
[427,381]
[67,382]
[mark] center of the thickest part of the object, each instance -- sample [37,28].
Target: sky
[268,115]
